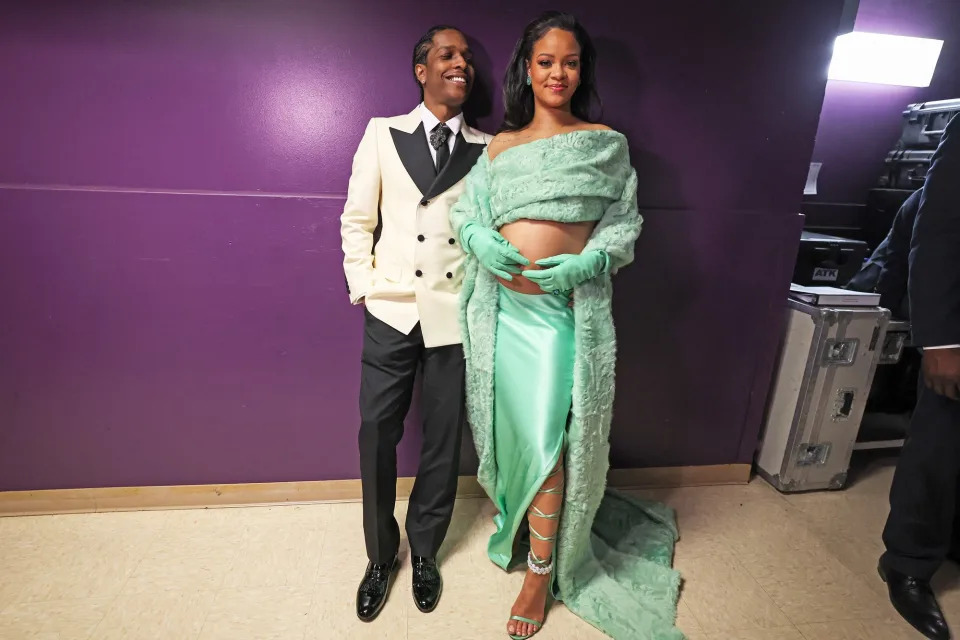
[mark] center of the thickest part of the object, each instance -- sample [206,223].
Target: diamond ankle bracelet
[538,569]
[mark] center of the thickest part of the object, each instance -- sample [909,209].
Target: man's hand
[941,371]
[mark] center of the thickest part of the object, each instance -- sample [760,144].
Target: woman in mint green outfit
[548,214]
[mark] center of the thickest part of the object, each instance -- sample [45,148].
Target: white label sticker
[825,275]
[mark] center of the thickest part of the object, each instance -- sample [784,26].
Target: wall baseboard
[200,496]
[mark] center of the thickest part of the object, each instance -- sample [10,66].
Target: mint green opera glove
[492,250]
[565,271]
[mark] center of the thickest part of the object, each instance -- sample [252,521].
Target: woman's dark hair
[517,94]
[423,47]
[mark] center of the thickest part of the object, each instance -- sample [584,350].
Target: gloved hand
[564,272]
[492,250]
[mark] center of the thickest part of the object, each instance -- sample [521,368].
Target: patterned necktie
[438,140]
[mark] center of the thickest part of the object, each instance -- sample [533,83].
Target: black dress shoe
[914,600]
[372,593]
[427,583]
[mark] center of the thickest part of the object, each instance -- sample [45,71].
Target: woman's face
[554,68]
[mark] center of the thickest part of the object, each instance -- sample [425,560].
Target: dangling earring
[529,80]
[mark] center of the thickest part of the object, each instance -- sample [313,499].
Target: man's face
[447,75]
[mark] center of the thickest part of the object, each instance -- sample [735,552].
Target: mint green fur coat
[614,552]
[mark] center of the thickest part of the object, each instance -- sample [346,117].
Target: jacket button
[419,273]
[452,241]
[424,202]
[449,275]
[421,238]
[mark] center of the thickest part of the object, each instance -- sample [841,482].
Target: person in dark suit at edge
[924,517]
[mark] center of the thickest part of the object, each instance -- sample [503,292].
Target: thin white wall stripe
[173,192]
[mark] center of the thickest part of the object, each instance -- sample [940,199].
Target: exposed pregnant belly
[539,239]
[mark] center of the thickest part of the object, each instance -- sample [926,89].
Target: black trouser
[923,500]
[388,370]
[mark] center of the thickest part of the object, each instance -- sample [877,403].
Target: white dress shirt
[430,121]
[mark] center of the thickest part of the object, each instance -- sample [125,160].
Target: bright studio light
[883,59]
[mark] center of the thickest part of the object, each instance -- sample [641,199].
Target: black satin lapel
[415,156]
[462,159]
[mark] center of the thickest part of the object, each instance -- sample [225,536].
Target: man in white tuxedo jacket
[404,263]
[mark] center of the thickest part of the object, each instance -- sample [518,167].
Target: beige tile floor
[758,566]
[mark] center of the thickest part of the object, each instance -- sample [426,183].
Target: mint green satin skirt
[533,392]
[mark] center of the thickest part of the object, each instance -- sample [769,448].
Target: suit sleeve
[360,216]
[935,248]
[617,231]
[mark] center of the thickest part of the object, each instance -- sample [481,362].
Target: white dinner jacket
[400,254]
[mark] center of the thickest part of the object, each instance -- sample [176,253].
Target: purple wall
[172,309]
[860,123]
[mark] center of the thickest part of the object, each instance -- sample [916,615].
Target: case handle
[844,404]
